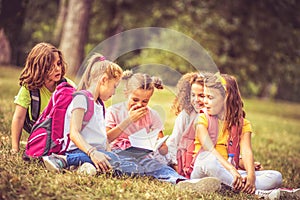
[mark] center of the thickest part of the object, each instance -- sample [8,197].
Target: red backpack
[47,134]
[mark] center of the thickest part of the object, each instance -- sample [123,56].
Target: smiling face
[197,96]
[214,102]
[139,98]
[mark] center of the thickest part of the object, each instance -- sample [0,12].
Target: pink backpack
[47,134]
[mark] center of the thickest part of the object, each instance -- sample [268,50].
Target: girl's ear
[103,79]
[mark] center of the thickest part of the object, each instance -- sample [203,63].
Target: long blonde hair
[39,64]
[233,103]
[97,66]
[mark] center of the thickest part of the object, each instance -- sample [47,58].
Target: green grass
[275,143]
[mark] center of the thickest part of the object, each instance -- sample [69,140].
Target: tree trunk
[75,33]
[5,50]
[62,14]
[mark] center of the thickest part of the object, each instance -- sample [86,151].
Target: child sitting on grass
[45,67]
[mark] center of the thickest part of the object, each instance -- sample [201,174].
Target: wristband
[90,151]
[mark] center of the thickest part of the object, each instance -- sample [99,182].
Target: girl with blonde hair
[89,144]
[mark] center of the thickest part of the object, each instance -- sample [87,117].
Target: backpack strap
[233,143]
[185,148]
[35,106]
[90,106]
[62,80]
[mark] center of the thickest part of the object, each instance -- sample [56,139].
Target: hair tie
[102,58]
[221,79]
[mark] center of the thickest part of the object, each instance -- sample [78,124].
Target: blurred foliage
[257,41]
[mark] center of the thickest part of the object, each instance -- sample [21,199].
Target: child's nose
[205,101]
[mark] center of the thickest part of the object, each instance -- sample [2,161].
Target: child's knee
[277,179]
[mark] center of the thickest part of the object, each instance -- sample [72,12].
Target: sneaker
[280,193]
[87,169]
[203,185]
[289,193]
[54,163]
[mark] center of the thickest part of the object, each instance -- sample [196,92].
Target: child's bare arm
[16,127]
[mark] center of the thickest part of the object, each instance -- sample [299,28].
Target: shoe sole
[290,194]
[204,185]
[49,165]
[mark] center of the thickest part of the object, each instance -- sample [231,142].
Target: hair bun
[157,82]
[127,74]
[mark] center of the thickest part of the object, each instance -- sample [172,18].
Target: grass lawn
[275,143]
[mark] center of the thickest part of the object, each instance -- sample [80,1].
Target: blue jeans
[126,165]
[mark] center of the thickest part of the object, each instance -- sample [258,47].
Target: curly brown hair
[39,64]
[182,100]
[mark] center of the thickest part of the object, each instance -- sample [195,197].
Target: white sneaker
[87,169]
[289,193]
[280,193]
[203,185]
[54,163]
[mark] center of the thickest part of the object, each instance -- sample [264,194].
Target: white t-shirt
[94,132]
[181,124]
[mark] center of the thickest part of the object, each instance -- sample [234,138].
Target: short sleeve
[202,120]
[79,101]
[247,126]
[156,121]
[23,98]
[110,120]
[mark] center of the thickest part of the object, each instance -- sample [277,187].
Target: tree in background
[74,35]
[12,14]
[257,41]
[60,21]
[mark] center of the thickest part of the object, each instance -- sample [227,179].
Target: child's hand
[237,179]
[136,112]
[163,150]
[101,161]
[249,185]
[14,151]
[258,166]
